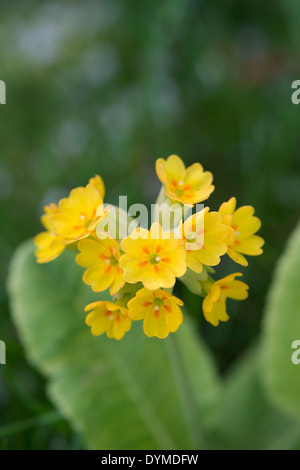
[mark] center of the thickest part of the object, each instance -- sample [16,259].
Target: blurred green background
[109,86]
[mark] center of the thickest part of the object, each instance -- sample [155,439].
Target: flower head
[204,235]
[186,185]
[74,218]
[242,226]
[214,304]
[159,310]
[108,317]
[153,257]
[140,269]
[49,247]
[101,258]
[78,214]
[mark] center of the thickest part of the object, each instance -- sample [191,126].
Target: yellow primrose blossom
[214,304]
[159,310]
[101,258]
[108,317]
[242,226]
[49,245]
[186,185]
[78,214]
[204,234]
[153,257]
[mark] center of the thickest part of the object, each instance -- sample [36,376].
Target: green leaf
[281,328]
[138,393]
[246,419]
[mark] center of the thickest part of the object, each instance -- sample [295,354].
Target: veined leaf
[246,419]
[282,328]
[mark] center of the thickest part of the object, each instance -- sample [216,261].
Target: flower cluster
[140,268]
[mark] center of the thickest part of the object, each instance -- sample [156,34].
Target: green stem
[185,392]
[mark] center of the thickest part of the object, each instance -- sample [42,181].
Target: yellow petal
[49,247]
[174,168]
[228,207]
[117,283]
[237,257]
[118,327]
[97,278]
[193,261]
[249,246]
[98,183]
[217,314]
[98,320]
[139,306]
[237,290]
[133,271]
[173,316]
[155,325]
[197,177]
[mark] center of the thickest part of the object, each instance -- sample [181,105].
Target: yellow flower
[153,257]
[101,257]
[46,218]
[62,224]
[214,304]
[78,214]
[108,317]
[159,310]
[49,245]
[98,183]
[186,185]
[204,235]
[242,226]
